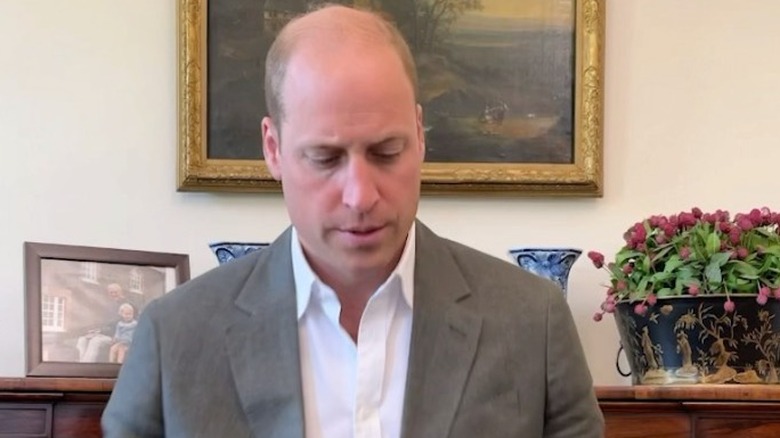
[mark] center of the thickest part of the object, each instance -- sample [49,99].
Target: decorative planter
[227,251]
[551,263]
[693,340]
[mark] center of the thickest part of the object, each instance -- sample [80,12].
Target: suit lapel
[262,347]
[445,334]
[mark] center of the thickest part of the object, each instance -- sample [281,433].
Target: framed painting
[512,92]
[83,303]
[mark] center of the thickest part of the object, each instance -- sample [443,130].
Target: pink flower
[755,216]
[652,299]
[597,316]
[686,220]
[597,258]
[745,223]
[660,252]
[735,235]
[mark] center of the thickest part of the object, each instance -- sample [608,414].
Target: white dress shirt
[349,390]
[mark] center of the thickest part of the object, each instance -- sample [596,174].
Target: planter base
[693,340]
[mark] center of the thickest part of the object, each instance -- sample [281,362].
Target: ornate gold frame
[198,172]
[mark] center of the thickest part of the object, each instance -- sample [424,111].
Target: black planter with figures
[694,340]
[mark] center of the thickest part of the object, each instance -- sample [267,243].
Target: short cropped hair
[375,25]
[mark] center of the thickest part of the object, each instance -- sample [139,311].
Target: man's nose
[360,191]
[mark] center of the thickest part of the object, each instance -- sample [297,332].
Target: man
[357,321]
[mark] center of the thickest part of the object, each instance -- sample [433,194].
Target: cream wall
[88,139]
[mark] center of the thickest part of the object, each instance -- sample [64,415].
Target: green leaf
[659,277]
[712,274]
[745,270]
[736,284]
[720,258]
[690,282]
[636,295]
[685,273]
[773,250]
[662,253]
[643,284]
[615,270]
[623,256]
[673,263]
[713,243]
[665,292]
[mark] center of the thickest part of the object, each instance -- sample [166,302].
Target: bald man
[358,321]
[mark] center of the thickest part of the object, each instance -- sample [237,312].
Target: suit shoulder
[500,280]
[487,266]
[218,285]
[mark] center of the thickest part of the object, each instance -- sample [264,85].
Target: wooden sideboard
[65,408]
[45,407]
[713,411]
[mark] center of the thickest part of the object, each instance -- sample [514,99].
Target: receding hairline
[331,22]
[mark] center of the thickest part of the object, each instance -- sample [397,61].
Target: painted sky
[519,13]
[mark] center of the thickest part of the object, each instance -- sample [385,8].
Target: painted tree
[426,23]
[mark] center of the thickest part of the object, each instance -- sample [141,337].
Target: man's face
[115,292]
[350,158]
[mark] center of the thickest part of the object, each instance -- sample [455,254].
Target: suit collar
[262,346]
[445,332]
[305,278]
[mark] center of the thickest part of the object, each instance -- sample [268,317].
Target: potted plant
[695,296]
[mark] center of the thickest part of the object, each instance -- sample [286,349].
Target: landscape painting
[503,86]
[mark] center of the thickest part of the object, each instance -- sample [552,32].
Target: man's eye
[387,154]
[324,160]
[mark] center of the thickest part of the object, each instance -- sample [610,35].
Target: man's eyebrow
[389,140]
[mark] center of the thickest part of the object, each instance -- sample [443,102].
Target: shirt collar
[305,278]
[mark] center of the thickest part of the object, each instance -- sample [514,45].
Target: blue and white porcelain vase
[227,251]
[551,263]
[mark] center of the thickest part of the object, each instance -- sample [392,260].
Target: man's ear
[421,132]
[271,147]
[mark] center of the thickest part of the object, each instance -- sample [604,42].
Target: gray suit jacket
[494,353]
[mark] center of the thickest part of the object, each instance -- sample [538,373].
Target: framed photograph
[512,92]
[82,304]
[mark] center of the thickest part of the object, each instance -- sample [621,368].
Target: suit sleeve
[571,406]
[135,406]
